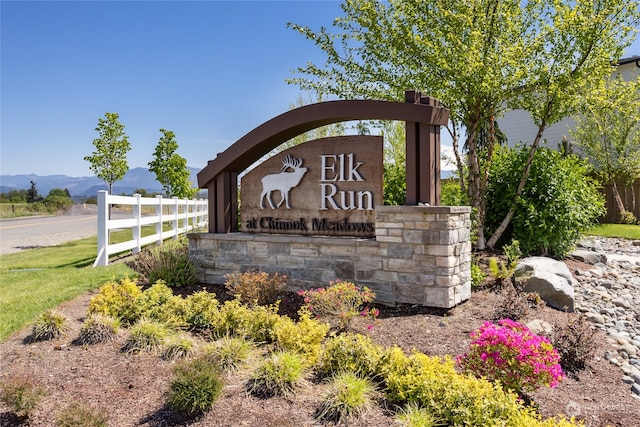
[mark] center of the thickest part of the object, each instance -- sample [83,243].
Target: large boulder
[550,279]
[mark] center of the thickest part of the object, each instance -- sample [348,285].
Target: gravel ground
[12,246]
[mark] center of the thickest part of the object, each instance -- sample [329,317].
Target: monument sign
[329,186]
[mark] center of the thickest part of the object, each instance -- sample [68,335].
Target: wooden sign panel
[327,186]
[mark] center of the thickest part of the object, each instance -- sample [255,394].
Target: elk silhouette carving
[282,182]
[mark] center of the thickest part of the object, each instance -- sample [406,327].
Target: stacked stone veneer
[420,255]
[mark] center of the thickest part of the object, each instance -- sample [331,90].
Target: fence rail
[184,215]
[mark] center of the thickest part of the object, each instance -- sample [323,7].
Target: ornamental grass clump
[49,325]
[98,329]
[510,354]
[339,303]
[347,396]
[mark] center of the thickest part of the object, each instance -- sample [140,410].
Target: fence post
[103,229]
[137,230]
[159,215]
[175,218]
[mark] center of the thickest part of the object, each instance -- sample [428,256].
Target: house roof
[629,60]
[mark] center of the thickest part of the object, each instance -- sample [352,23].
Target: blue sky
[210,71]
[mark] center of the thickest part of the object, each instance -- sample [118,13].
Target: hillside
[88,185]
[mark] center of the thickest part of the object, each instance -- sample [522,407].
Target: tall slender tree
[608,133]
[109,160]
[171,168]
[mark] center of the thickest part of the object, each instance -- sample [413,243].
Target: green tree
[171,168]
[608,133]
[32,194]
[109,160]
[479,57]
[59,192]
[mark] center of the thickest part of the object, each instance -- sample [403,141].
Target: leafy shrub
[348,396]
[158,303]
[350,352]
[412,415]
[177,346]
[303,337]
[97,329]
[433,384]
[511,354]
[253,288]
[477,276]
[78,415]
[451,194]
[574,341]
[278,375]
[229,352]
[170,263]
[235,318]
[558,204]
[195,387]
[338,303]
[627,217]
[49,325]
[22,395]
[146,335]
[117,300]
[201,310]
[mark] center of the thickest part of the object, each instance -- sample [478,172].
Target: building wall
[420,255]
[518,126]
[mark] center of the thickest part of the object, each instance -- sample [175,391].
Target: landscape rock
[550,279]
[588,257]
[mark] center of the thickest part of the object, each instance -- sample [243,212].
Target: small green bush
[235,318]
[97,329]
[303,337]
[278,375]
[78,415]
[348,396]
[49,325]
[117,300]
[21,395]
[158,303]
[229,352]
[170,263]
[195,387]
[201,310]
[477,276]
[350,352]
[559,202]
[256,288]
[575,342]
[146,335]
[627,217]
[177,346]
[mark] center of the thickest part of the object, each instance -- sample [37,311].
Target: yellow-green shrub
[350,352]
[433,383]
[117,300]
[201,310]
[235,318]
[303,337]
[159,303]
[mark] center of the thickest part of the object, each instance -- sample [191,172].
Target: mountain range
[137,178]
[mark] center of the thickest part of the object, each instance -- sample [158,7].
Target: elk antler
[291,162]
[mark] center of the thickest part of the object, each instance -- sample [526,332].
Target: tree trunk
[617,198]
[475,194]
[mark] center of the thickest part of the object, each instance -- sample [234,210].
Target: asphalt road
[18,234]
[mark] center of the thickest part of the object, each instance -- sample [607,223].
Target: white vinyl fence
[183,215]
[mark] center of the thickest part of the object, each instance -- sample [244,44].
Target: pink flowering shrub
[339,303]
[512,355]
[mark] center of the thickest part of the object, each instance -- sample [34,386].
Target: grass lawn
[36,280]
[616,230]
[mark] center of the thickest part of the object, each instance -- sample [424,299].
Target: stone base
[420,255]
